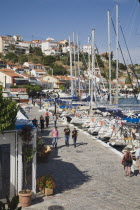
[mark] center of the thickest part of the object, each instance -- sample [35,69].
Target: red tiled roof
[10,72]
[18,67]
[26,75]
[121,83]
[25,66]
[38,64]
[39,70]
[128,84]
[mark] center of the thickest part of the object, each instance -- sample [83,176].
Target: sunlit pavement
[87,177]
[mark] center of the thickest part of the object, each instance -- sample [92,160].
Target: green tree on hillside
[37,51]
[127,80]
[35,60]
[112,55]
[8,112]
[22,59]
[113,63]
[65,60]
[48,60]
[31,50]
[58,69]
[122,66]
[99,61]
[12,57]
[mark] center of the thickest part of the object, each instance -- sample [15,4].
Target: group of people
[43,120]
[66,134]
[127,161]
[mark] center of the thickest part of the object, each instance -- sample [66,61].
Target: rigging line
[98,64]
[130,18]
[129,55]
[124,61]
[132,24]
[99,71]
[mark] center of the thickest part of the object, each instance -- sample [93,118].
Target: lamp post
[54,95]
[32,94]
[39,94]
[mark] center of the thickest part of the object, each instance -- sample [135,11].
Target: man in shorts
[137,154]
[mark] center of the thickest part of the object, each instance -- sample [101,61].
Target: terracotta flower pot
[25,198]
[48,191]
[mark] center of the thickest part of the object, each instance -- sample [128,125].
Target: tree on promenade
[8,112]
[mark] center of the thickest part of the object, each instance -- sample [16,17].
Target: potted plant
[27,152]
[46,185]
[40,182]
[49,186]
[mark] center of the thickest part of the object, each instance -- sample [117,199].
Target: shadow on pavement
[37,200]
[80,144]
[67,176]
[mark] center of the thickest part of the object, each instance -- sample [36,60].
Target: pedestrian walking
[42,123]
[67,135]
[55,137]
[74,136]
[34,121]
[137,154]
[47,120]
[47,114]
[127,162]
[55,119]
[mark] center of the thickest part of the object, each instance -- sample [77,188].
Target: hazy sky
[39,19]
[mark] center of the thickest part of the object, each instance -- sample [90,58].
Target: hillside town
[69,110]
[25,73]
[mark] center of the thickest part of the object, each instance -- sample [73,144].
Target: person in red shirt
[55,137]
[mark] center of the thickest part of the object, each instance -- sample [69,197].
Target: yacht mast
[89,64]
[71,68]
[117,55]
[94,66]
[74,59]
[78,62]
[109,51]
[93,69]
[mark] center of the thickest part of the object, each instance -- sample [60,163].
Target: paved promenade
[88,177]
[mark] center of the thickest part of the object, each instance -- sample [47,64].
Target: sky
[40,19]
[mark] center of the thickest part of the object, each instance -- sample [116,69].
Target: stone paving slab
[88,177]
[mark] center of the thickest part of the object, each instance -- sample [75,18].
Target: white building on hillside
[38,72]
[50,47]
[37,43]
[5,43]
[17,38]
[64,42]
[26,45]
[30,65]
